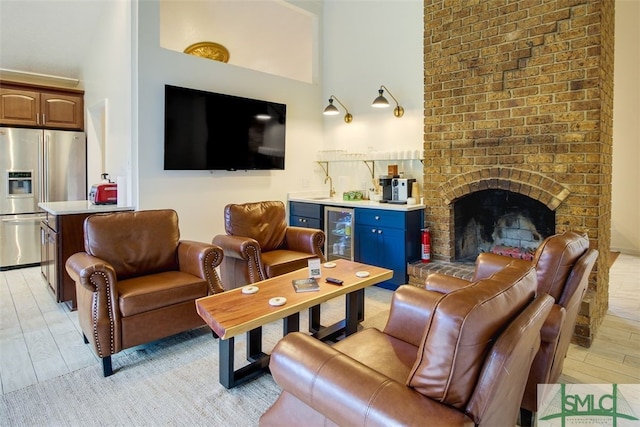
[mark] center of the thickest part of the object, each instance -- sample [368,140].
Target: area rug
[172,382]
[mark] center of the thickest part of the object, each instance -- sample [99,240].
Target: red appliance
[105,193]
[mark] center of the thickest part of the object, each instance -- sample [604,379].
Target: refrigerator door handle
[45,169]
[41,167]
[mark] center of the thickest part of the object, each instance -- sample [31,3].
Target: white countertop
[314,197]
[79,206]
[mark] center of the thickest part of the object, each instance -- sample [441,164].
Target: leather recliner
[445,357]
[563,263]
[137,281]
[260,245]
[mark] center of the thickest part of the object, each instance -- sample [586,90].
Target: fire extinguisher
[426,245]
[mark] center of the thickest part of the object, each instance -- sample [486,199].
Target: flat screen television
[214,131]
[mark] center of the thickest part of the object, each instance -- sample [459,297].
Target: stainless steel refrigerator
[35,166]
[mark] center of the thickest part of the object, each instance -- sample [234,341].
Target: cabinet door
[19,107]
[383,247]
[392,253]
[366,244]
[62,111]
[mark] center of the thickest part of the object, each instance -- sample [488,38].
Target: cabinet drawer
[302,221]
[380,218]
[309,210]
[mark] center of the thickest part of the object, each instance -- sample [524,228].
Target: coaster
[329,264]
[277,301]
[362,273]
[249,289]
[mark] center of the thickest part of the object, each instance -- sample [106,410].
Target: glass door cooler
[338,223]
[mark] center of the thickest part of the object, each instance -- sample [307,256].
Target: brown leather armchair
[259,244]
[137,281]
[459,357]
[563,263]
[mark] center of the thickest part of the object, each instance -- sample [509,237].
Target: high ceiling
[47,36]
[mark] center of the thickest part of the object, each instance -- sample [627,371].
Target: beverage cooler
[339,227]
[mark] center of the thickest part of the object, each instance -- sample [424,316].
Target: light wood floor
[40,339]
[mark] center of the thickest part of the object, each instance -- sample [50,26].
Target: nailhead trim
[94,311]
[210,262]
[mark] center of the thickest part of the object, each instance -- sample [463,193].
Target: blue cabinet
[388,239]
[308,215]
[383,237]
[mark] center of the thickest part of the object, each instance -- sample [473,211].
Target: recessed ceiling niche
[271,36]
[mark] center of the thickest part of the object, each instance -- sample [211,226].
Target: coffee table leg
[353,310]
[225,364]
[314,319]
[291,323]
[254,344]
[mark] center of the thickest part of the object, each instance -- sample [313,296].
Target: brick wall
[519,96]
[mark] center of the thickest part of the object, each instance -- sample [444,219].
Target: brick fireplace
[518,100]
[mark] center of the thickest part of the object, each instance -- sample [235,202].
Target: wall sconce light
[332,110]
[381,102]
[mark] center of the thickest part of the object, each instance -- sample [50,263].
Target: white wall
[280,40]
[199,197]
[107,78]
[625,212]
[368,44]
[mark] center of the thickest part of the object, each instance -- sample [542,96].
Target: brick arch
[547,191]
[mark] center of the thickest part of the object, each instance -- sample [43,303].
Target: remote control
[334,281]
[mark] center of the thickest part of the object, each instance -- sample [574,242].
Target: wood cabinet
[39,106]
[62,236]
[389,239]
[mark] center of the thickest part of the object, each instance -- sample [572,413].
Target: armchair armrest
[84,269]
[488,264]
[97,296]
[540,372]
[308,240]
[320,376]
[237,246]
[201,260]
[553,325]
[410,313]
[243,251]
[444,284]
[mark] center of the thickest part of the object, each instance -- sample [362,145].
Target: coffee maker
[386,184]
[401,189]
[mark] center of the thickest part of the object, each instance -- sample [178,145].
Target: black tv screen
[214,131]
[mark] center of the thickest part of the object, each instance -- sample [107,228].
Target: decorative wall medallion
[209,50]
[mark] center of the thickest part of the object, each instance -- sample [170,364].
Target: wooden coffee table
[232,313]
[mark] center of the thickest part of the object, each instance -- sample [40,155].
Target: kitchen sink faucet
[332,191]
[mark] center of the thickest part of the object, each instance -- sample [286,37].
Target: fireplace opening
[500,221]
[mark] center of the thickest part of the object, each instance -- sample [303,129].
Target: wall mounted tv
[214,131]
